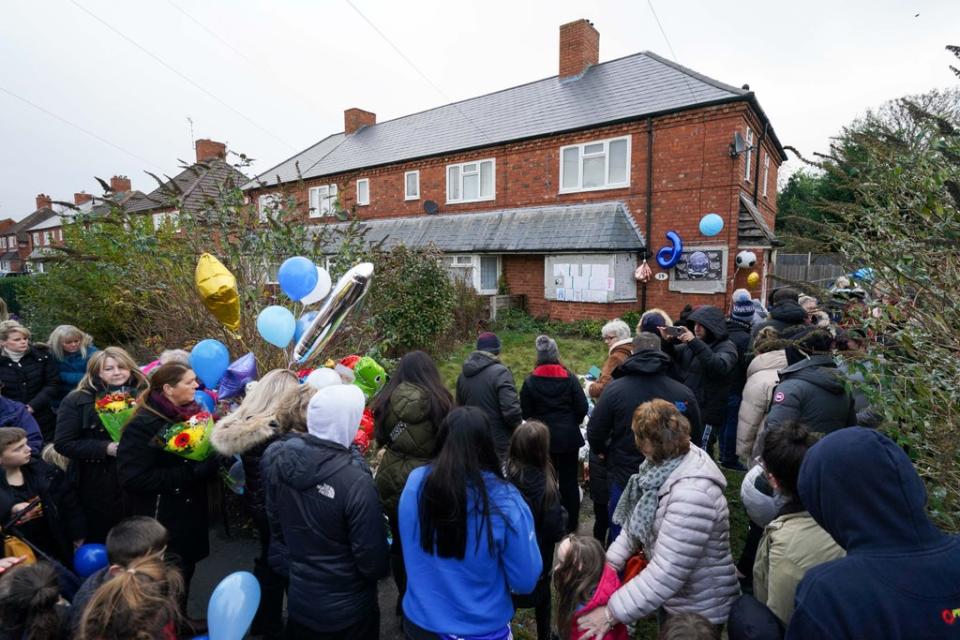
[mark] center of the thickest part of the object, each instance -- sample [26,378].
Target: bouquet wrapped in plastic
[190,439]
[114,409]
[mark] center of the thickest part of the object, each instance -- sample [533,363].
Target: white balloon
[321,290]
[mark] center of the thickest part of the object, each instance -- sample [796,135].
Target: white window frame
[481,197]
[606,167]
[407,195]
[36,238]
[267,203]
[162,217]
[766,172]
[48,237]
[473,262]
[363,202]
[748,156]
[322,200]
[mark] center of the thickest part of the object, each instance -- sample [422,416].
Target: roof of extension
[196,186]
[599,227]
[752,229]
[638,85]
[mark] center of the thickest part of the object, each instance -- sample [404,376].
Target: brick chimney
[210,150]
[120,184]
[44,201]
[579,47]
[354,119]
[81,198]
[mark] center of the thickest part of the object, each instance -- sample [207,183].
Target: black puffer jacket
[165,486]
[249,439]
[610,430]
[783,315]
[35,381]
[739,334]
[813,393]
[707,365]
[487,384]
[550,522]
[327,531]
[553,395]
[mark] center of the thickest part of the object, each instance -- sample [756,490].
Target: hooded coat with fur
[249,439]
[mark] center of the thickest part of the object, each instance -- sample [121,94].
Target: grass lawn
[519,355]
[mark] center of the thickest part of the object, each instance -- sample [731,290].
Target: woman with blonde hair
[81,437]
[248,432]
[139,601]
[71,348]
[28,374]
[673,509]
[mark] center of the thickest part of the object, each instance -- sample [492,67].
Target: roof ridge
[696,75]
[300,153]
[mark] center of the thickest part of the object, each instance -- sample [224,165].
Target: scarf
[173,412]
[14,356]
[637,507]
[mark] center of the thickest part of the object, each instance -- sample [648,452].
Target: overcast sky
[273,77]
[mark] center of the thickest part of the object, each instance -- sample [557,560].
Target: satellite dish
[431,208]
[738,145]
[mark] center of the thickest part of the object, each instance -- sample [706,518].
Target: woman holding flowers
[163,464]
[88,430]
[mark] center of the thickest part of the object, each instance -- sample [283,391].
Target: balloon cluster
[302,281]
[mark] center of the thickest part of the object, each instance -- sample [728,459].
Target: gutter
[756,173]
[649,208]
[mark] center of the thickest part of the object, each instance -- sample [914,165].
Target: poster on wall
[700,265]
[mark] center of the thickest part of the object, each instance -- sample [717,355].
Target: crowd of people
[471,499]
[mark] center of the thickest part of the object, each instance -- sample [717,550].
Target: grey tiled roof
[752,229]
[31,220]
[602,227]
[627,88]
[196,186]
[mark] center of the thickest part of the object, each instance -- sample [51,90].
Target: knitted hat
[488,342]
[742,308]
[547,351]
[334,413]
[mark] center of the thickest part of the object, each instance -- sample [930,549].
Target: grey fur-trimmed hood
[232,437]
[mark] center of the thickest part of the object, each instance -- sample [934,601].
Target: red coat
[609,582]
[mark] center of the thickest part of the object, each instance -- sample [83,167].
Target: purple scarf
[173,412]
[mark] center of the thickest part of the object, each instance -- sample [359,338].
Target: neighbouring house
[16,243]
[560,187]
[196,189]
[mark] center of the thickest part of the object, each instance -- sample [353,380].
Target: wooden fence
[816,268]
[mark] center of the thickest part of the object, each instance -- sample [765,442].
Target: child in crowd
[144,597]
[30,604]
[584,582]
[688,626]
[71,348]
[530,470]
[131,540]
[36,501]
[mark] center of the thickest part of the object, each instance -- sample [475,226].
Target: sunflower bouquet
[190,439]
[114,409]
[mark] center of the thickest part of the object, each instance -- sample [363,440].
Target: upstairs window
[748,156]
[591,166]
[411,185]
[363,192]
[471,181]
[36,238]
[766,172]
[323,200]
[268,204]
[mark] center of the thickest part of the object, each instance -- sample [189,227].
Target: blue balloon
[711,224]
[297,276]
[210,359]
[276,325]
[667,257]
[204,400]
[232,606]
[303,323]
[90,558]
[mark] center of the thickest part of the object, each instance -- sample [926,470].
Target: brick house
[561,186]
[16,243]
[194,189]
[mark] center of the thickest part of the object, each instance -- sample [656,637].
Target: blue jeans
[615,492]
[727,438]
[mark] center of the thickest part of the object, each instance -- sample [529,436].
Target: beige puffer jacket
[762,377]
[691,568]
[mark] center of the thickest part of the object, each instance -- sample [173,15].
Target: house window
[471,181]
[748,156]
[604,164]
[600,278]
[411,182]
[163,218]
[766,172]
[47,237]
[480,272]
[36,239]
[323,200]
[363,191]
[268,204]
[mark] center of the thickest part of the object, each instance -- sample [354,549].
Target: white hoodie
[334,413]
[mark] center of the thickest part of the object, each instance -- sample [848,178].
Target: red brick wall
[693,174]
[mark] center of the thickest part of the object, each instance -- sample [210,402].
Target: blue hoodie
[15,414]
[901,575]
[469,597]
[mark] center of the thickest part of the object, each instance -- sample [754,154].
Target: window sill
[490,199]
[603,188]
[411,198]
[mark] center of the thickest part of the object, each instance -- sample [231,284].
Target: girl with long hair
[30,604]
[82,438]
[530,470]
[163,485]
[248,432]
[468,537]
[407,414]
[139,601]
[584,581]
[71,348]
